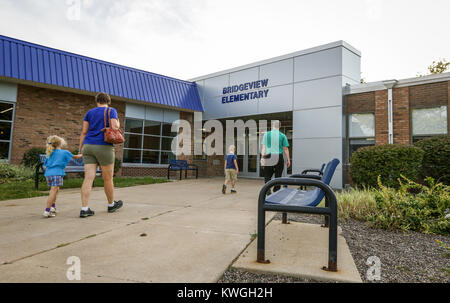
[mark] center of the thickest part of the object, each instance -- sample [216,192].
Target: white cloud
[188,38]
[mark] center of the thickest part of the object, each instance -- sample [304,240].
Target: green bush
[436,160]
[401,209]
[386,161]
[31,157]
[10,172]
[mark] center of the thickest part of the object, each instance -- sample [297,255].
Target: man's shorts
[54,181]
[231,175]
[102,155]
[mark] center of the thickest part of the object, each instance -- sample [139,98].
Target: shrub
[10,172]
[386,161]
[356,204]
[400,209]
[31,157]
[436,160]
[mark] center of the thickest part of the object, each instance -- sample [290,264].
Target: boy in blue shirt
[57,160]
[231,170]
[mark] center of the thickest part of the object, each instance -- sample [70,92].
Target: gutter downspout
[389,85]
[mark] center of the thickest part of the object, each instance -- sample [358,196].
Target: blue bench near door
[301,201]
[74,166]
[181,165]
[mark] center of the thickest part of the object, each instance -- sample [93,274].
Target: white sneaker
[53,210]
[48,214]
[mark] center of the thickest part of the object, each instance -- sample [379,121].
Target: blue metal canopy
[31,62]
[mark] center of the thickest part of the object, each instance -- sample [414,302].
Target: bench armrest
[305,176]
[312,170]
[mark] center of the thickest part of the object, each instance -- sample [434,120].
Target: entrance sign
[260,86]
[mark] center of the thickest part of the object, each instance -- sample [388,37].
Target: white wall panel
[279,73]
[319,93]
[244,76]
[171,115]
[154,114]
[318,123]
[135,111]
[321,64]
[279,100]
[213,87]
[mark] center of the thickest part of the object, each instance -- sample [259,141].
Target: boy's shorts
[102,155]
[54,181]
[231,175]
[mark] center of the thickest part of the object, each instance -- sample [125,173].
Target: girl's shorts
[54,181]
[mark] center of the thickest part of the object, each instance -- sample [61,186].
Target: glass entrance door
[249,162]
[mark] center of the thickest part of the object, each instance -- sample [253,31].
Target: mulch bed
[406,257]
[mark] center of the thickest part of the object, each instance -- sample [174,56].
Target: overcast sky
[189,38]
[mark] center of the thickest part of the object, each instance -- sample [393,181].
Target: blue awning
[31,62]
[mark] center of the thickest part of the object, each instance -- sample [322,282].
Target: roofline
[88,93]
[383,85]
[282,57]
[62,52]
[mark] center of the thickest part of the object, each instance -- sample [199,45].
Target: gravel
[406,257]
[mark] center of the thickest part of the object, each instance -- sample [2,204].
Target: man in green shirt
[274,145]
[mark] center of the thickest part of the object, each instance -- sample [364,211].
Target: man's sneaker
[53,210]
[224,189]
[233,191]
[116,206]
[86,213]
[48,214]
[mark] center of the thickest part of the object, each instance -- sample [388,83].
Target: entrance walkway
[184,231]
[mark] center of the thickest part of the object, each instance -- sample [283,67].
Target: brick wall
[43,112]
[381,117]
[401,115]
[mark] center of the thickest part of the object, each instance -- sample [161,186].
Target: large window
[361,131]
[428,122]
[148,142]
[6,121]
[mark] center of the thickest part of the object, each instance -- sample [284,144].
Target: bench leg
[168,174]
[185,174]
[181,174]
[326,223]
[196,173]
[332,245]
[285,219]
[261,236]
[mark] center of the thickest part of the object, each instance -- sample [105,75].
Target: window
[148,142]
[361,131]
[6,125]
[428,122]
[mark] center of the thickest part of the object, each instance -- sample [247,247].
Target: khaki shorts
[231,175]
[102,155]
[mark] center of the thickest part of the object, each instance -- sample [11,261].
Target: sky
[190,38]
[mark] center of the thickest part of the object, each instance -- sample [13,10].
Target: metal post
[285,219]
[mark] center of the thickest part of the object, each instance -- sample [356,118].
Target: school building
[316,94]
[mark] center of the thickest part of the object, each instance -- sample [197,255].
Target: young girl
[231,170]
[57,160]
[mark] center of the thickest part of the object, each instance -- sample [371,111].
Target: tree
[438,67]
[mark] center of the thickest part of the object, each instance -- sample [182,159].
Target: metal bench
[301,201]
[74,166]
[180,165]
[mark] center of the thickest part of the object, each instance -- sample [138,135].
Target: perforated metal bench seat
[294,197]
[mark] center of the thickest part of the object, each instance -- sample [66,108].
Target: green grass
[25,189]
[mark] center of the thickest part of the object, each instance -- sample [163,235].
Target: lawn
[25,189]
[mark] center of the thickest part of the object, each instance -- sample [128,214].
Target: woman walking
[98,152]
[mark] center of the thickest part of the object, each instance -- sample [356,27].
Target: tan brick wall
[381,117]
[427,95]
[360,103]
[401,115]
[43,112]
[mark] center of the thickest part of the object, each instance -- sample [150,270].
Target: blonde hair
[54,142]
[231,149]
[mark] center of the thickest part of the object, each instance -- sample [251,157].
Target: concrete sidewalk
[184,231]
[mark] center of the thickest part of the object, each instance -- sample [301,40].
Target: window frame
[348,139]
[141,149]
[11,135]
[425,136]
